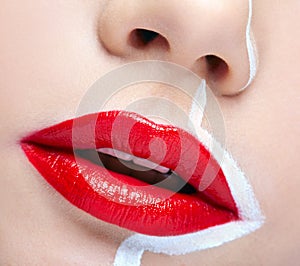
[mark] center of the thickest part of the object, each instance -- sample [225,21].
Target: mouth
[131,172]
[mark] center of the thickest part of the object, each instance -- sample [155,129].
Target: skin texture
[52,51]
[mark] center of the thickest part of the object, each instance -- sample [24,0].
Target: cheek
[263,130]
[49,54]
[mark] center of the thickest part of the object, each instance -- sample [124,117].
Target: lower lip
[123,200]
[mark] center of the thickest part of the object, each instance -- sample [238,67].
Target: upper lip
[169,146]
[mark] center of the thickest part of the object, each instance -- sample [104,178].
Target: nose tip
[208,37]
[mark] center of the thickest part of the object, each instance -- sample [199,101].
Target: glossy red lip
[124,200]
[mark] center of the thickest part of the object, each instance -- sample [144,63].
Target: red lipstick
[120,198]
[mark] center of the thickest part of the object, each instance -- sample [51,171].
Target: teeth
[144,162]
[162,169]
[151,165]
[119,154]
[139,161]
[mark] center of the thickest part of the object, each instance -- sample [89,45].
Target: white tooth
[144,162]
[123,155]
[162,169]
[107,151]
[150,165]
[119,154]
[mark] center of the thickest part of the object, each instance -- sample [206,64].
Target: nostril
[216,68]
[142,38]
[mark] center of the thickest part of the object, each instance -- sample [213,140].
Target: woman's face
[51,52]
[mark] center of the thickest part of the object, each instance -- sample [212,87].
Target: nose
[211,38]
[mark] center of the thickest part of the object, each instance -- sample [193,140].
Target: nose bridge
[207,37]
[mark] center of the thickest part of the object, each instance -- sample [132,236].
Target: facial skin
[52,51]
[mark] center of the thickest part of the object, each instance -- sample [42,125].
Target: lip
[123,200]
